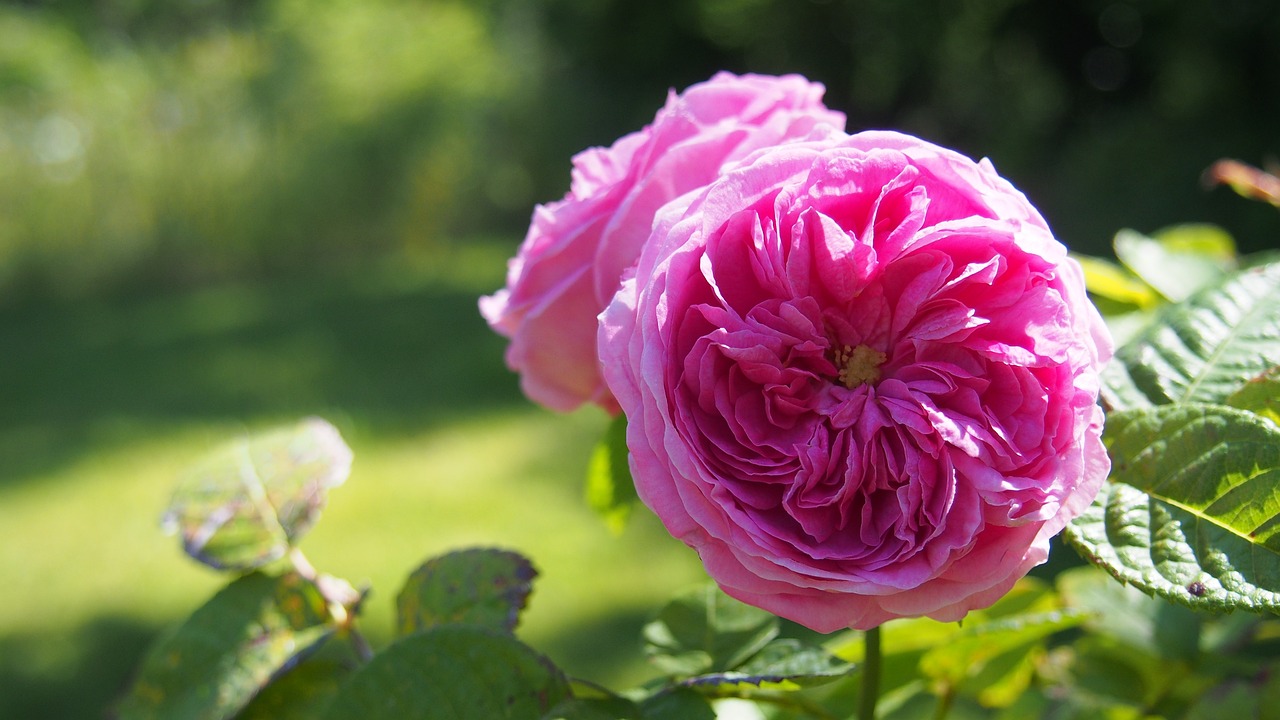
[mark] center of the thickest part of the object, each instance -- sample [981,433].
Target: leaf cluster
[1189,521]
[258,648]
[1193,501]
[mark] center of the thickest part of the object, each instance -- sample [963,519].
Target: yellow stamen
[858,365]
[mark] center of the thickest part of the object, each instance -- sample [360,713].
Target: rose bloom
[572,259]
[860,378]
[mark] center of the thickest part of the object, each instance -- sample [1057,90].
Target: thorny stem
[870,675]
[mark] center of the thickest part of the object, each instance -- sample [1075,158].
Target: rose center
[858,365]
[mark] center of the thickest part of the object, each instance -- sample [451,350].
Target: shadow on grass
[376,356]
[603,649]
[80,676]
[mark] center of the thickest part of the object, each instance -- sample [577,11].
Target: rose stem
[345,620]
[870,675]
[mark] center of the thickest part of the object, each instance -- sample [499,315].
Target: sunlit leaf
[1218,463]
[706,631]
[1006,645]
[452,672]
[1162,549]
[1108,281]
[1260,395]
[483,587]
[610,490]
[212,665]
[1179,260]
[250,501]
[1194,508]
[1202,350]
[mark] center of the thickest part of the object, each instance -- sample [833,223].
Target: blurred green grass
[104,402]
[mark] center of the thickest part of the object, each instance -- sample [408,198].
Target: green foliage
[487,588]
[302,693]
[994,661]
[784,663]
[195,149]
[452,672]
[1187,522]
[212,665]
[1171,264]
[1218,463]
[610,490]
[595,707]
[678,704]
[1190,509]
[1180,260]
[707,631]
[1087,648]
[1203,349]
[249,502]
[1260,396]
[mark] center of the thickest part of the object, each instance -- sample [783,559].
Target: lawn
[103,403]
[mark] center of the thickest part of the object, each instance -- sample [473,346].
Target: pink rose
[572,260]
[860,378]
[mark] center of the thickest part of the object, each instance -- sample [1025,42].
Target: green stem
[361,646]
[870,675]
[342,600]
[943,708]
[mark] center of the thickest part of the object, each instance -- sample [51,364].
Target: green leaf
[1235,699]
[1260,396]
[911,701]
[783,664]
[227,651]
[483,587]
[1204,349]
[1103,673]
[1179,260]
[249,502]
[610,489]
[1109,282]
[452,672]
[301,693]
[1162,549]
[707,631]
[1220,464]
[1006,644]
[677,704]
[1131,617]
[1194,510]
[595,708]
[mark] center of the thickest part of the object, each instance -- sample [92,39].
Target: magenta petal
[860,379]
[596,232]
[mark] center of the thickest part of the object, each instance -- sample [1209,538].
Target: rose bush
[576,250]
[860,377]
